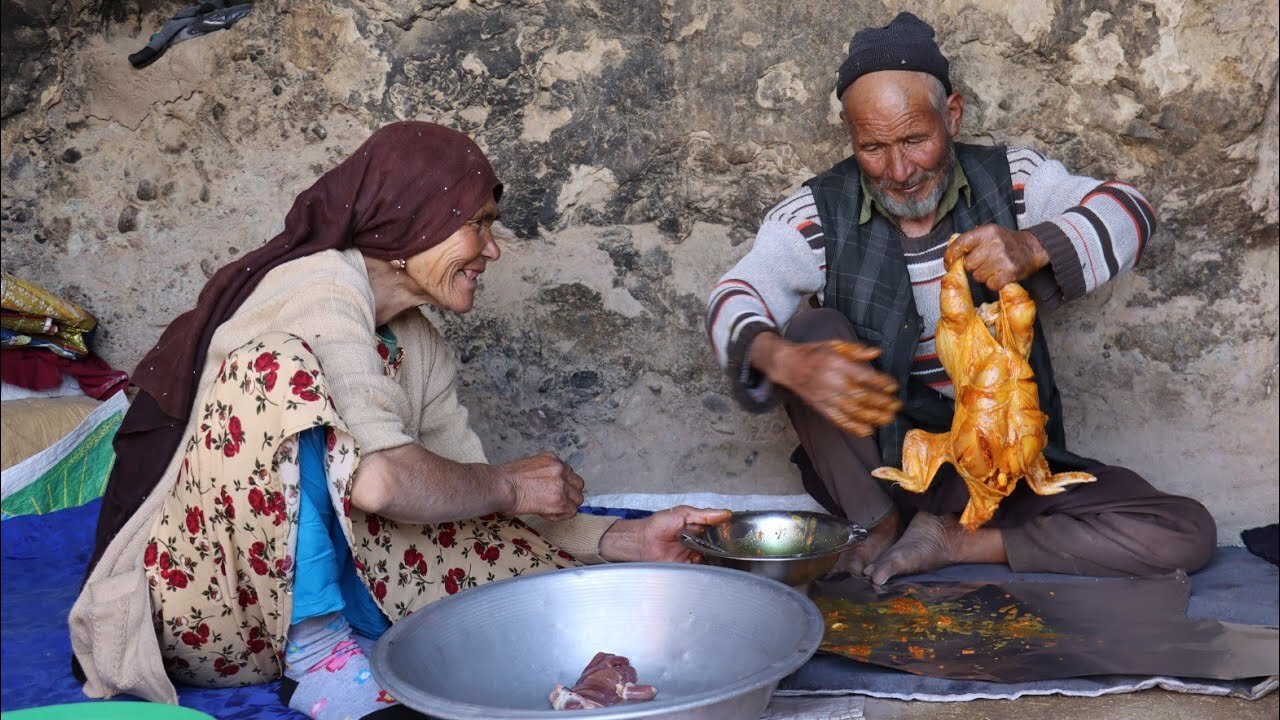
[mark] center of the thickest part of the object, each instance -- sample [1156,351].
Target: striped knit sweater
[1092,231]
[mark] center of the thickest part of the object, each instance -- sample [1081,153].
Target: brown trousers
[1119,525]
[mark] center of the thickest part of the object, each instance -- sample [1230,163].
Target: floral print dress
[220,563]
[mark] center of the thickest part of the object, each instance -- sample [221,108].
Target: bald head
[902,125]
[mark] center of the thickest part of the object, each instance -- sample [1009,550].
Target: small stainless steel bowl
[794,548]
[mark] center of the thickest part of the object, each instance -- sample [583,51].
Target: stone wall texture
[640,142]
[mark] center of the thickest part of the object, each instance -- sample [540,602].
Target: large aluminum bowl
[714,642]
[792,547]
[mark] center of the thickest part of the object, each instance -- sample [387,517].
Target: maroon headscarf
[407,188]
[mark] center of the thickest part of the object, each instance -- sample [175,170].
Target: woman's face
[447,273]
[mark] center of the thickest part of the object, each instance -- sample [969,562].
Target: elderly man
[867,241]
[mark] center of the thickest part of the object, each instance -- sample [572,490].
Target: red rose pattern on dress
[408,566]
[220,561]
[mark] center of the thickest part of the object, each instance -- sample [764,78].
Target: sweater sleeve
[1093,230]
[762,292]
[336,320]
[579,535]
[430,371]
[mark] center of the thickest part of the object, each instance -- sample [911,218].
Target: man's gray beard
[920,207]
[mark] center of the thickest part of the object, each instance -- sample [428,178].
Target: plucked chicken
[997,435]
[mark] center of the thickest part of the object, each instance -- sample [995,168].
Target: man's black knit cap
[904,44]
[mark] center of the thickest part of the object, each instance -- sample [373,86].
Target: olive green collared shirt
[950,197]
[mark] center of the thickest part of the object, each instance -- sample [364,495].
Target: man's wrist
[765,353]
[1040,255]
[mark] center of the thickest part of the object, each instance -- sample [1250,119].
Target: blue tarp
[44,558]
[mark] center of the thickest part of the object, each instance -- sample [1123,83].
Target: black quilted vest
[867,281]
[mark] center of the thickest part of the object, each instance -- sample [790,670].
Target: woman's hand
[657,537]
[542,485]
[410,484]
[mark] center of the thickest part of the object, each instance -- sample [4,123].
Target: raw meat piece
[607,680]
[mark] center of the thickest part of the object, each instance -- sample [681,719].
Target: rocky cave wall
[640,142]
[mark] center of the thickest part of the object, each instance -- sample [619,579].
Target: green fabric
[79,477]
[109,711]
[957,183]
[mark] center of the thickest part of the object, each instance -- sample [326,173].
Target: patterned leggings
[220,562]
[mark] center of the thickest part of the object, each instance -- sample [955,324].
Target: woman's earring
[399,265]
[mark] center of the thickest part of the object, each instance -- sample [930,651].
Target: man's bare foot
[934,541]
[879,538]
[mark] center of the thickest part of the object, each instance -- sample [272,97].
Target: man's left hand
[657,537]
[996,256]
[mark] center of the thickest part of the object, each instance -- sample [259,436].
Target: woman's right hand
[834,377]
[413,485]
[542,485]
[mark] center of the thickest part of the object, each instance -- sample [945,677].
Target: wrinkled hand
[835,378]
[657,537]
[996,256]
[542,485]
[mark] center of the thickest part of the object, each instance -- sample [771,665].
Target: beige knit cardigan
[326,300]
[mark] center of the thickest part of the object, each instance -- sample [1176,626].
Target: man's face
[902,141]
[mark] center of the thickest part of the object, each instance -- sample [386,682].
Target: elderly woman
[297,474]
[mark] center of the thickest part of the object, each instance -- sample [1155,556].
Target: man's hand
[996,256]
[657,537]
[833,377]
[542,485]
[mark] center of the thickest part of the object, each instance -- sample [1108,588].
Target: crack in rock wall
[640,143]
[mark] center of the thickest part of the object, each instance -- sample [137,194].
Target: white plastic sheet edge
[28,471]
